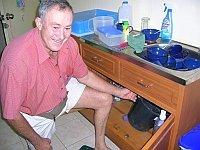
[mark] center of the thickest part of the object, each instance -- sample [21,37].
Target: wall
[186,18]
[81,5]
[23,18]
[186,21]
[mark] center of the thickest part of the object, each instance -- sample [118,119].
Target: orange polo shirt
[31,81]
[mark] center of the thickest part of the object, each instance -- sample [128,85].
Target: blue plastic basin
[190,140]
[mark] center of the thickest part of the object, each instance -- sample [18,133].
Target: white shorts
[75,90]
[46,127]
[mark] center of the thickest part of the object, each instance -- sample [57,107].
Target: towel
[136,41]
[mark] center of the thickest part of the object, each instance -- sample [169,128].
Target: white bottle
[159,121]
[125,13]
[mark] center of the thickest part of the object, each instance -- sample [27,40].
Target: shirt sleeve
[13,84]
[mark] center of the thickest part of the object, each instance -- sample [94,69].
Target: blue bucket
[191,140]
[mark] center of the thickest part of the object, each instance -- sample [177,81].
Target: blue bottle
[167,25]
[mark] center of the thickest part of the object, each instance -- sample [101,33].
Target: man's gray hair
[46,5]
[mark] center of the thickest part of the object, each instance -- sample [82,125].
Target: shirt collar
[42,51]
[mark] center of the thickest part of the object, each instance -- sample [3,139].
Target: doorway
[2,38]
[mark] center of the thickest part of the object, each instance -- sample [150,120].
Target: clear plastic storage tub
[83,21]
[101,21]
[110,35]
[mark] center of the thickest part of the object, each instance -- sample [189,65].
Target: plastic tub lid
[109,31]
[191,139]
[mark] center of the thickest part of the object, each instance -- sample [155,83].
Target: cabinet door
[101,61]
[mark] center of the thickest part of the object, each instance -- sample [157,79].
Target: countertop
[181,77]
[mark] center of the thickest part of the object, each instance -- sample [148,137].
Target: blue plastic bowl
[157,53]
[179,64]
[191,63]
[175,64]
[170,63]
[151,34]
[177,51]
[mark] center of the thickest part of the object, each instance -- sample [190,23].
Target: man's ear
[38,23]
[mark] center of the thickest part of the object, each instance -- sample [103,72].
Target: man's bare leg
[101,117]
[101,103]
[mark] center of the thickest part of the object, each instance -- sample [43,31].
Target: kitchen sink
[190,60]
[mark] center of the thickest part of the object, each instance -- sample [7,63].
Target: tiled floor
[73,131]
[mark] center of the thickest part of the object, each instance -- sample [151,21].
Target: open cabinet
[128,138]
[163,92]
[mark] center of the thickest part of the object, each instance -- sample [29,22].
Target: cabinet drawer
[161,140]
[153,87]
[101,61]
[127,137]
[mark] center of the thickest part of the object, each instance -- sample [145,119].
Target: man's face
[55,28]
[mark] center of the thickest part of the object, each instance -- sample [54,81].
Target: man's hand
[95,82]
[21,125]
[43,144]
[127,94]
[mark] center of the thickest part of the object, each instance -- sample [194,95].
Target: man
[43,75]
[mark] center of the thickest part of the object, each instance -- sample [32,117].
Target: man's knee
[107,100]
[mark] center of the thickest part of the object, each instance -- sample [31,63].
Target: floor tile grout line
[80,140]
[85,123]
[87,126]
[60,140]
[74,142]
[67,121]
[14,144]
[77,118]
[80,117]
[91,124]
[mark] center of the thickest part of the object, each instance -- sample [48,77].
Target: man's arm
[21,126]
[96,82]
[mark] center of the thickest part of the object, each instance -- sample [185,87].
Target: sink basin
[190,60]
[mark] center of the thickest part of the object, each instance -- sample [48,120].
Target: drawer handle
[144,85]
[96,59]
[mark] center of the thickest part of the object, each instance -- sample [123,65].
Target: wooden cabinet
[100,61]
[120,131]
[167,94]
